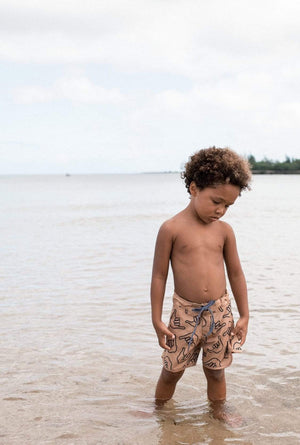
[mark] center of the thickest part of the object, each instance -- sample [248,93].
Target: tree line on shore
[289,165]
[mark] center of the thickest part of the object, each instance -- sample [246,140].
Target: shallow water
[79,358]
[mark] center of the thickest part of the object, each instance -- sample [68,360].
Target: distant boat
[68,174]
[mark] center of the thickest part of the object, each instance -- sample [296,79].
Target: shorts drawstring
[200,310]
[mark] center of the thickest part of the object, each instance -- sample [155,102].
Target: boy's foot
[220,411]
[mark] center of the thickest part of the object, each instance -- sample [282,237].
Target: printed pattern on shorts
[186,346]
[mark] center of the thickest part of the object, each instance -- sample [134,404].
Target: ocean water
[79,359]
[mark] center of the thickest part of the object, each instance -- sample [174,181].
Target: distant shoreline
[276,172]
[254,172]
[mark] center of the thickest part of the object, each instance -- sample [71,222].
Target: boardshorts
[205,326]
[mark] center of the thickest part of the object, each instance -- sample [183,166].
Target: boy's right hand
[163,335]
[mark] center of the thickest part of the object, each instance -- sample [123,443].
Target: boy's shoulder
[225,225]
[180,222]
[183,218]
[171,225]
[227,230]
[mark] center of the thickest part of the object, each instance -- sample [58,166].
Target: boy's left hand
[240,329]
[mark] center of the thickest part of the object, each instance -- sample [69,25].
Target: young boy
[197,244]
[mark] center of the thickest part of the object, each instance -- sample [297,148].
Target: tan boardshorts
[197,326]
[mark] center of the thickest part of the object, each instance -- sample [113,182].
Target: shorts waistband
[194,304]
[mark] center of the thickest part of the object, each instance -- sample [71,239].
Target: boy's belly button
[205,289]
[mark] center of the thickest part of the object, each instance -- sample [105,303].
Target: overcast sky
[126,86]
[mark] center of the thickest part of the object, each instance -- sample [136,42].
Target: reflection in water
[193,425]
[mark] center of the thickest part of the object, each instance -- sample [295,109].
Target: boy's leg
[166,385]
[216,384]
[216,392]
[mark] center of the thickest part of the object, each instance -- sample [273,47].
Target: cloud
[76,89]
[164,78]
[233,96]
[195,39]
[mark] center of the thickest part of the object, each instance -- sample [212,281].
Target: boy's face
[211,203]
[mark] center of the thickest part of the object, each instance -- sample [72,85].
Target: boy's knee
[215,374]
[170,377]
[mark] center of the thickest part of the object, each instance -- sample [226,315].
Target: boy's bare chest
[200,242]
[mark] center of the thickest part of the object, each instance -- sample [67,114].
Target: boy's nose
[220,211]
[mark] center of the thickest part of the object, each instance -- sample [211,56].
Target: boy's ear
[193,188]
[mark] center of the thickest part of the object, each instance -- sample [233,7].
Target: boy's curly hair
[212,166]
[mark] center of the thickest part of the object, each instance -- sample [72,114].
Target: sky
[122,86]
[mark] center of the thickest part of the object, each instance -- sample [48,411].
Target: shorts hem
[218,368]
[195,364]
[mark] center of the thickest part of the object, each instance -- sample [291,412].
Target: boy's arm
[237,282]
[162,255]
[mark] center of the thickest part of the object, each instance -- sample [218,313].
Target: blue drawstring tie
[200,310]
